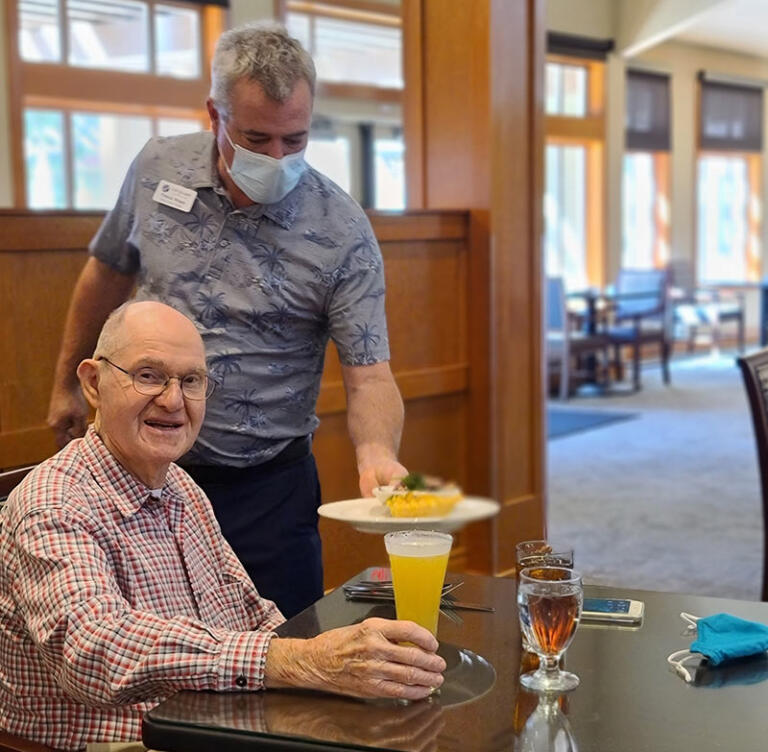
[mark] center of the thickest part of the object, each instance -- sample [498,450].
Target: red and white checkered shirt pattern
[111,600]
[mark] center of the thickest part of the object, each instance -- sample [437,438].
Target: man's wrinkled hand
[67,414]
[361,660]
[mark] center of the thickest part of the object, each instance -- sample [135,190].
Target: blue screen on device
[607,605]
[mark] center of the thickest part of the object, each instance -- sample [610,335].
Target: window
[109,35]
[573,180]
[566,90]
[357,49]
[44,155]
[565,240]
[645,210]
[39,39]
[112,35]
[177,41]
[98,146]
[100,78]
[729,183]
[389,169]
[350,47]
[645,182]
[728,226]
[331,155]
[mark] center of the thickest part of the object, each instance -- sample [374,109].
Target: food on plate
[419,495]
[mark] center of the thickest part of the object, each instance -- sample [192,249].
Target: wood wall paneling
[516,340]
[476,142]
[41,256]
[455,104]
[413,103]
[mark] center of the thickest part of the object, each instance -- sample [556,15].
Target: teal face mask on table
[720,637]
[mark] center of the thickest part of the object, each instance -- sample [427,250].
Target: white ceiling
[739,25]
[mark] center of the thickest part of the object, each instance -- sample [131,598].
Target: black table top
[628,699]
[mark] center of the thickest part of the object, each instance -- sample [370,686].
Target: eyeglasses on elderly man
[153,381]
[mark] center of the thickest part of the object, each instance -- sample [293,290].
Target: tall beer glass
[418,559]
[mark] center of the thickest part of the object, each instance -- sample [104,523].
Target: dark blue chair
[639,316]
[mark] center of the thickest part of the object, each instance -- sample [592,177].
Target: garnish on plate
[419,495]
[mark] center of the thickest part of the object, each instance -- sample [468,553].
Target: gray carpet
[563,421]
[670,500]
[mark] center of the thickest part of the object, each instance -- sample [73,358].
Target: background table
[628,699]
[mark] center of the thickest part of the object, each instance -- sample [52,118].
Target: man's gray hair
[109,339]
[262,52]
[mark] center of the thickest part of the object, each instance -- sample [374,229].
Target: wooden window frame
[60,86]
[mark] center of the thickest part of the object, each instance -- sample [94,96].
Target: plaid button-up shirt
[111,599]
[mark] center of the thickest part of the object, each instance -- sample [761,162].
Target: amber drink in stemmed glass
[540,553]
[549,601]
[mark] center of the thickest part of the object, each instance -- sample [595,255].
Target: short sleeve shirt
[266,285]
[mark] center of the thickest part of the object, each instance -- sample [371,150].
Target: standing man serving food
[269,258]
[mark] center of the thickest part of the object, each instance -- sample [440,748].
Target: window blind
[220,3]
[647,111]
[572,45]
[731,117]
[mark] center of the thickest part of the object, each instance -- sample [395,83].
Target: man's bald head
[123,321]
[146,344]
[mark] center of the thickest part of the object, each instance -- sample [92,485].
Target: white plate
[371,516]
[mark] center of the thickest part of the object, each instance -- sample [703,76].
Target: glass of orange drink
[418,560]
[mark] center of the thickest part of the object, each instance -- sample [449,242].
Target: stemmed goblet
[549,602]
[540,553]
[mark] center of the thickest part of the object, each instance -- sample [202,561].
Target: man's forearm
[98,291]
[374,413]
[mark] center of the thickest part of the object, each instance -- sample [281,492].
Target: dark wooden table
[628,700]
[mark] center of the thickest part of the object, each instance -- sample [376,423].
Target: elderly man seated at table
[117,588]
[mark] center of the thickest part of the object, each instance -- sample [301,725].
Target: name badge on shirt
[175,196]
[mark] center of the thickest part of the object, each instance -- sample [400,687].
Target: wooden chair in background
[754,369]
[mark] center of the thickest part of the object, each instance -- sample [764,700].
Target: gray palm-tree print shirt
[266,285]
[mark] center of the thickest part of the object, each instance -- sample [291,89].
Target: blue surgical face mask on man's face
[264,179]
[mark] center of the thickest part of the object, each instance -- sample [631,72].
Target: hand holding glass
[549,600]
[418,559]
